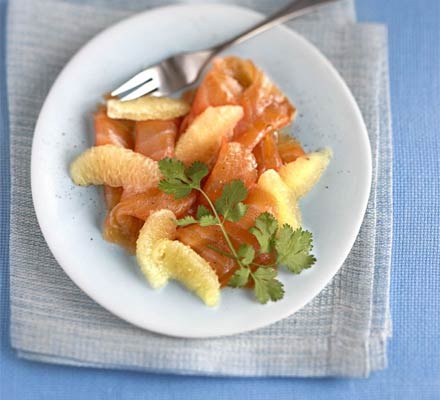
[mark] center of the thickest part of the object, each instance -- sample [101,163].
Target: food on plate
[115,166]
[124,221]
[146,108]
[206,190]
[285,201]
[117,132]
[156,138]
[303,173]
[289,148]
[161,258]
[202,140]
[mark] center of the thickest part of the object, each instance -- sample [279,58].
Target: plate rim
[363,134]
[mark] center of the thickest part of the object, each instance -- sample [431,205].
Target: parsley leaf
[202,211]
[267,287]
[240,277]
[265,229]
[236,213]
[293,248]
[175,187]
[247,253]
[172,168]
[229,203]
[205,217]
[188,220]
[207,220]
[196,172]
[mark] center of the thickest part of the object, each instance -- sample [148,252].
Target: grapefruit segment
[115,166]
[161,258]
[160,225]
[286,203]
[184,265]
[303,173]
[203,138]
[146,108]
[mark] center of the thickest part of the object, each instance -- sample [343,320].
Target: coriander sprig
[291,248]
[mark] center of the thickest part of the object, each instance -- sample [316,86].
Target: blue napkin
[343,331]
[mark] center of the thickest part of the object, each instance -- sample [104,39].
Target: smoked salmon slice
[233,162]
[156,138]
[112,196]
[125,220]
[267,154]
[240,82]
[112,131]
[202,239]
[117,132]
[258,202]
[289,148]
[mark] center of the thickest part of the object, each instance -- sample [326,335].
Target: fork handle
[292,10]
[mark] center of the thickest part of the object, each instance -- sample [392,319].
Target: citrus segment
[183,264]
[303,173]
[146,108]
[203,138]
[160,225]
[287,205]
[115,166]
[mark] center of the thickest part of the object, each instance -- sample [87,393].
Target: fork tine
[146,88]
[140,78]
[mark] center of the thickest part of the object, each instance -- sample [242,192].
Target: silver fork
[182,70]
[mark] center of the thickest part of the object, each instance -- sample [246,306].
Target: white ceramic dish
[70,217]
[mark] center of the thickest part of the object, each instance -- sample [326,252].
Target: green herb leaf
[246,253]
[267,287]
[265,229]
[188,220]
[240,277]
[172,168]
[229,203]
[196,172]
[293,248]
[236,213]
[208,220]
[202,211]
[175,187]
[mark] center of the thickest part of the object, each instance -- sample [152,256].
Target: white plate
[70,217]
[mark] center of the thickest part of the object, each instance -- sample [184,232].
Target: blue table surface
[414,350]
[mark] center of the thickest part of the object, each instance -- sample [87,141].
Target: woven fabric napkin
[343,331]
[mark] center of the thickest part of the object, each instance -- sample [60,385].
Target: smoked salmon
[233,162]
[250,148]
[205,241]
[289,148]
[156,138]
[125,220]
[239,82]
[117,132]
[267,154]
